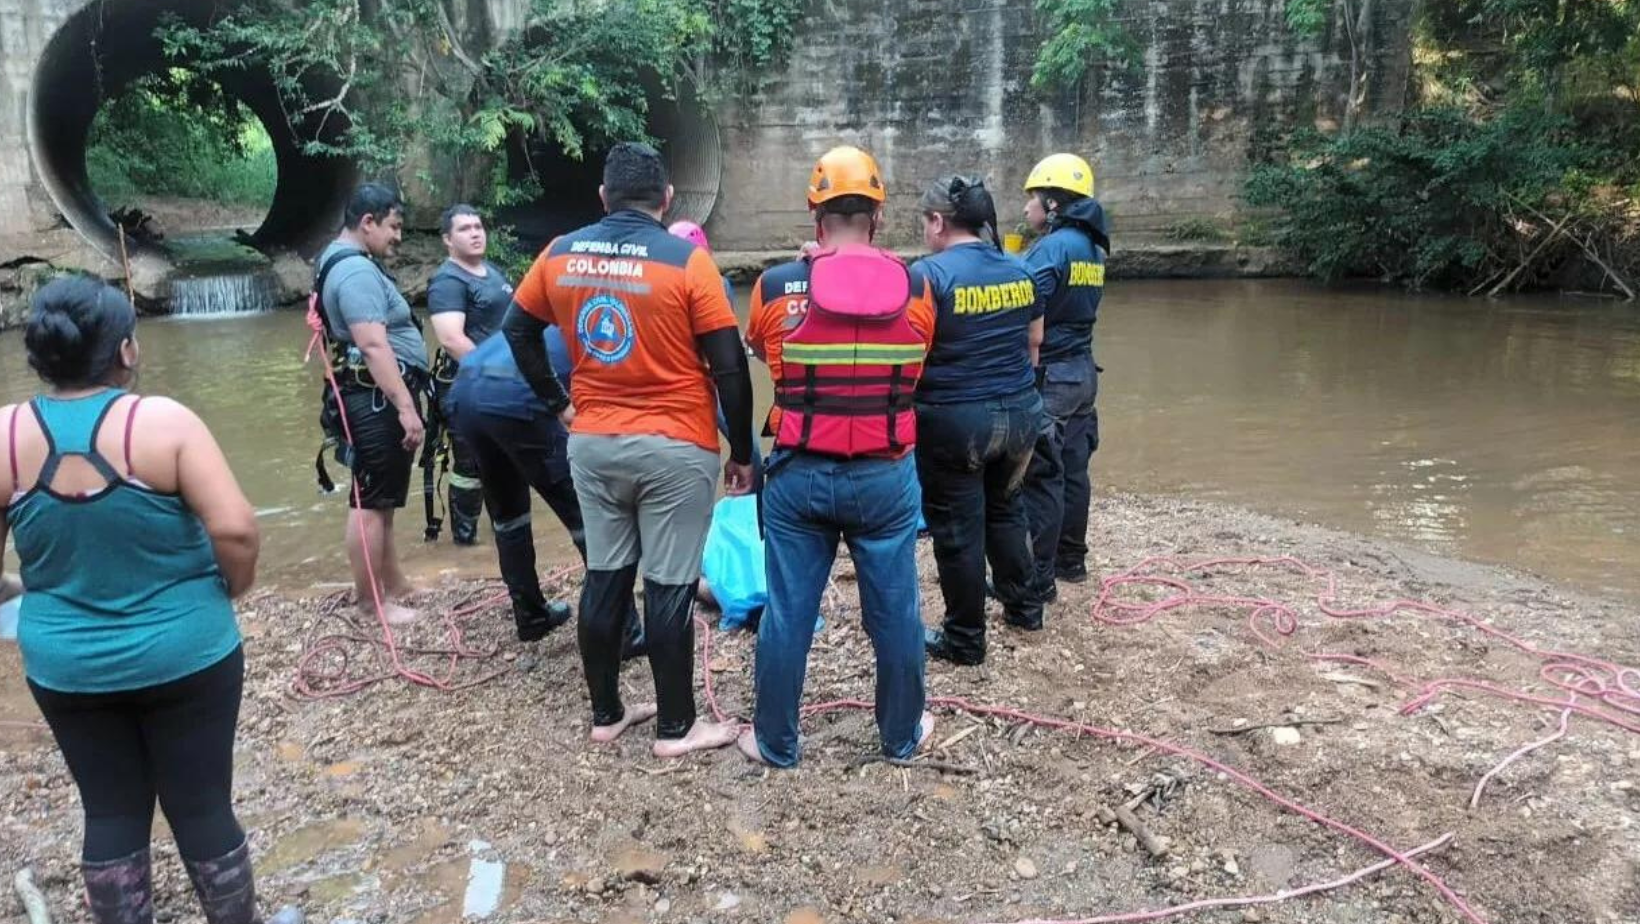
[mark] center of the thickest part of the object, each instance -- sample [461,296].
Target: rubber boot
[669,627]
[939,647]
[120,891]
[533,616]
[466,505]
[534,623]
[601,633]
[227,890]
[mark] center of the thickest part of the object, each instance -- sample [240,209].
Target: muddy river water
[1504,432]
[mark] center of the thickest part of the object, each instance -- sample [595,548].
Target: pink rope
[1614,687]
[1109,734]
[1565,717]
[1133,917]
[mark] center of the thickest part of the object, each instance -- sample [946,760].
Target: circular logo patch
[604,328]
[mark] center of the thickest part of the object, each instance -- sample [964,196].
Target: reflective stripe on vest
[852,354]
[847,386]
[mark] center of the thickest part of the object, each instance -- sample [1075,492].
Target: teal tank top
[123,587]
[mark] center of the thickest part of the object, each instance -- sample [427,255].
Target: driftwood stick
[939,765]
[1152,844]
[125,263]
[1554,232]
[34,903]
[1588,250]
[1619,281]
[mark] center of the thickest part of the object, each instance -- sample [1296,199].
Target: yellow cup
[1013,243]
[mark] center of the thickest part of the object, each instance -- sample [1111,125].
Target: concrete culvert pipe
[105,46]
[689,140]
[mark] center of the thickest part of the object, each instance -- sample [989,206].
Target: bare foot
[703,736]
[925,727]
[395,614]
[748,746]
[635,715]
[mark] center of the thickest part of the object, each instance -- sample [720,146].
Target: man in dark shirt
[467,298]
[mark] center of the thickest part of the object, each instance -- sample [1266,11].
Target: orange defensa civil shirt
[780,299]
[630,300]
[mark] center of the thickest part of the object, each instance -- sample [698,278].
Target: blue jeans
[1057,489]
[809,502]
[971,458]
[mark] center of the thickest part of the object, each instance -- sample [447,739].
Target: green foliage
[321,55]
[373,82]
[1537,45]
[1307,17]
[1081,33]
[1519,156]
[174,134]
[750,35]
[1438,201]
[581,75]
[1196,230]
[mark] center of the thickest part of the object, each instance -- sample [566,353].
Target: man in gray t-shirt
[386,368]
[358,291]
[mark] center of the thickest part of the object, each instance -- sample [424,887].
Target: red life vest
[850,367]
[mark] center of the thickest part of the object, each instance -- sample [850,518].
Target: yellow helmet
[1061,171]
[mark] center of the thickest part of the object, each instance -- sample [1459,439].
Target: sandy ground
[365,808]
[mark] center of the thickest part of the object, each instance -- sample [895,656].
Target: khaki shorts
[644,497]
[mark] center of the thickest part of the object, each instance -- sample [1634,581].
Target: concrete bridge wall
[931,86]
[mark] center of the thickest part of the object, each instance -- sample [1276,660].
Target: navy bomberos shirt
[984,303]
[1068,267]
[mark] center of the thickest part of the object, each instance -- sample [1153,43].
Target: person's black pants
[466,493]
[513,457]
[1057,489]
[173,741]
[971,459]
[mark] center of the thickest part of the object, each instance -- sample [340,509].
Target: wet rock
[1025,868]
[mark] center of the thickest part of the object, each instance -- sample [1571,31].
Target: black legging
[173,741]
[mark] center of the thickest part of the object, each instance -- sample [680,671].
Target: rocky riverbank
[24,265]
[387,805]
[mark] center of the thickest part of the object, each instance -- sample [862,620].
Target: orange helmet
[846,171]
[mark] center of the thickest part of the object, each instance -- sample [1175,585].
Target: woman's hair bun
[75,329]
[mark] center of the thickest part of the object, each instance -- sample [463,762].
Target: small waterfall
[227,294]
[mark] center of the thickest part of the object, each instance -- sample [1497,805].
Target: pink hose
[1613,686]
[1093,731]
[1208,904]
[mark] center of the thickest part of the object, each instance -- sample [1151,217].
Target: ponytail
[967,203]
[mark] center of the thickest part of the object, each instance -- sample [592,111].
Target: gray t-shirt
[358,292]
[483,299]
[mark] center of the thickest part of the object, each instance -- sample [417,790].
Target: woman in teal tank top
[133,538]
